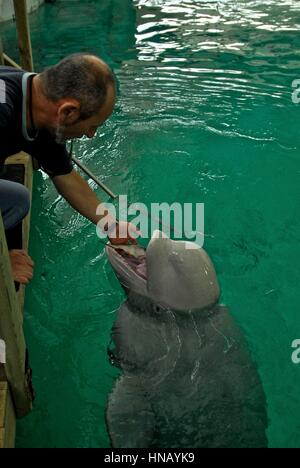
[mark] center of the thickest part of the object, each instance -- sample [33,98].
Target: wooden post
[24,41]
[11,331]
[7,418]
[10,62]
[7,412]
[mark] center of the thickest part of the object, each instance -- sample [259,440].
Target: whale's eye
[157,309]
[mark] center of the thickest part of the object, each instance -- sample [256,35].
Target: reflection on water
[210,53]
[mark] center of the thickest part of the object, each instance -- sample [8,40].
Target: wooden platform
[16,394]
[7,418]
[15,378]
[7,412]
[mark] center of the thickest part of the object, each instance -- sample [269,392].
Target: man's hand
[22,266]
[78,193]
[123,233]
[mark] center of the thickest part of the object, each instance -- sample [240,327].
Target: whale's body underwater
[187,378]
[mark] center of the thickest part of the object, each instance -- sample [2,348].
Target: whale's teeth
[159,235]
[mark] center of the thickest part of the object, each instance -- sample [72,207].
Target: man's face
[87,127]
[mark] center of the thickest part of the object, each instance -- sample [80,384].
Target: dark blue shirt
[52,157]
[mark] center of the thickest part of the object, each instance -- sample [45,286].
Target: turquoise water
[205,114]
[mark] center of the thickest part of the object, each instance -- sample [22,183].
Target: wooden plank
[11,331]
[1,438]
[10,423]
[10,62]
[7,418]
[2,361]
[26,160]
[23,30]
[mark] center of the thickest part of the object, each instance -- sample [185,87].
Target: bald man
[38,113]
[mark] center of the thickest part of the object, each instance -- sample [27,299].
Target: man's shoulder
[10,92]
[11,82]
[10,72]
[53,157]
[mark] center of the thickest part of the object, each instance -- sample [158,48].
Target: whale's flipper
[129,416]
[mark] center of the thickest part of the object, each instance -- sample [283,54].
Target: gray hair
[81,77]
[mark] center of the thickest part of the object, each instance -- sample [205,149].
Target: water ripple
[222,49]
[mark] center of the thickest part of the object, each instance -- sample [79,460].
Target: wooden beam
[2,360]
[11,331]
[10,62]
[23,30]
[7,418]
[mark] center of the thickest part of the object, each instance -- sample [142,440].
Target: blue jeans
[14,203]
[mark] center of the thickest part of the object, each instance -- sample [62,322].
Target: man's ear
[69,113]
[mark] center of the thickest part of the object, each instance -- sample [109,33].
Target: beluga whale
[187,379]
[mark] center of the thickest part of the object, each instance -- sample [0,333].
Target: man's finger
[25,273]
[23,264]
[21,279]
[21,256]
[30,262]
[27,258]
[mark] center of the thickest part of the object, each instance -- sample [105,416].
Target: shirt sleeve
[5,116]
[5,133]
[52,157]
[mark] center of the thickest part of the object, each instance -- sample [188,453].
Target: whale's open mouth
[133,257]
[176,274]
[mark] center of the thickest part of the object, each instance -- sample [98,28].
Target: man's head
[82,90]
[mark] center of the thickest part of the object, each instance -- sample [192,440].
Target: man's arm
[82,198]
[79,194]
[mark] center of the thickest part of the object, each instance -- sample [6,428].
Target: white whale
[187,378]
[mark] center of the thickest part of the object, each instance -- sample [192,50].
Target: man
[38,113]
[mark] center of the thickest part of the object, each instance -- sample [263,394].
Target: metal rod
[110,193]
[107,190]
[94,178]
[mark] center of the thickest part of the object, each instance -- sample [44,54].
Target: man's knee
[14,203]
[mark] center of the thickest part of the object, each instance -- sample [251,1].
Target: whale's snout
[168,273]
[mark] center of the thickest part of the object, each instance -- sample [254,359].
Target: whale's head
[176,275]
